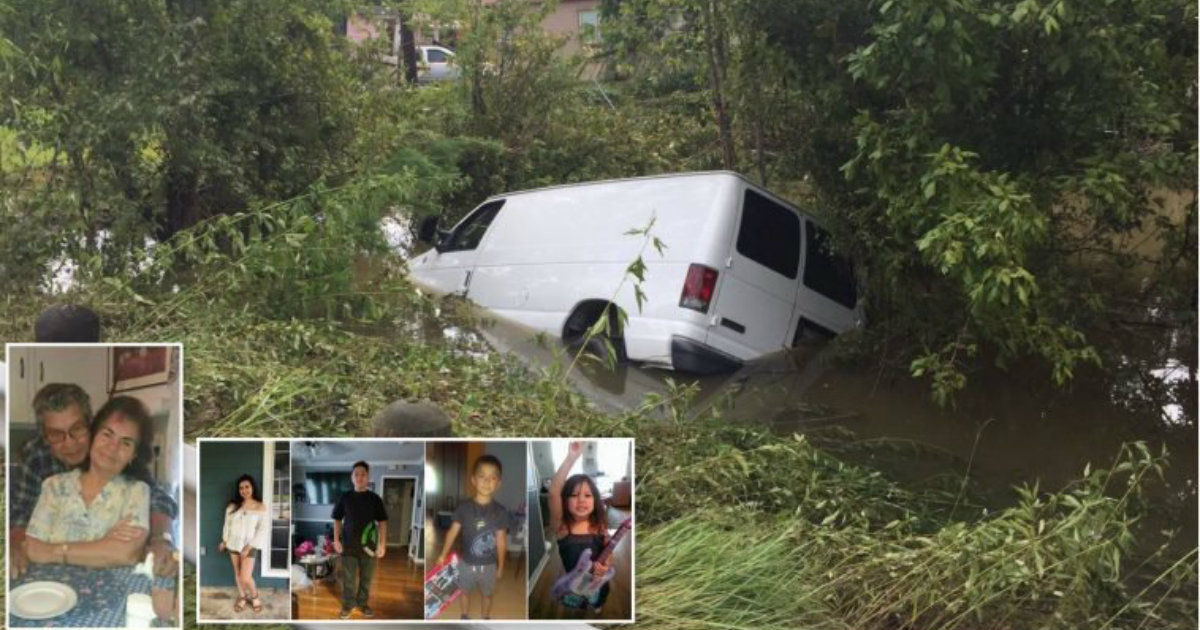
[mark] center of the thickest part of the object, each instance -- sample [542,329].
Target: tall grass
[1052,560]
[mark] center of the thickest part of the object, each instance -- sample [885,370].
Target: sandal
[256,603]
[240,604]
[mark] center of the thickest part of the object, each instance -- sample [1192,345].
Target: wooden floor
[619,603]
[397,592]
[508,601]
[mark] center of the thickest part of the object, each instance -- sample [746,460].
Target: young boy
[356,513]
[483,523]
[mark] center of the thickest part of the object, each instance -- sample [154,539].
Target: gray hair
[59,396]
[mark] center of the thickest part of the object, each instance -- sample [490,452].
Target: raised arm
[560,480]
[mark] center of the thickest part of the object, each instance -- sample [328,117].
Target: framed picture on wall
[134,367]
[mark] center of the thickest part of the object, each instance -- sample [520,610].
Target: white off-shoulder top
[245,527]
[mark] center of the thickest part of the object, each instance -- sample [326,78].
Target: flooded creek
[1006,428]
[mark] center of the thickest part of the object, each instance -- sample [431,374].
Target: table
[312,562]
[101,595]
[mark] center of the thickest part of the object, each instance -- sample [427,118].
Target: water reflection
[1008,427]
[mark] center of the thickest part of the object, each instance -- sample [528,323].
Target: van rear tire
[608,345]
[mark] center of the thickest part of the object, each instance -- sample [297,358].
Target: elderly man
[64,415]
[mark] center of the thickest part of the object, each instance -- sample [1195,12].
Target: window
[324,488]
[470,233]
[435,56]
[589,26]
[277,483]
[769,235]
[606,461]
[825,272]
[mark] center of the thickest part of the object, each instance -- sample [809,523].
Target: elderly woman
[98,515]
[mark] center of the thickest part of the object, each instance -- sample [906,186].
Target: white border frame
[177,354]
[319,624]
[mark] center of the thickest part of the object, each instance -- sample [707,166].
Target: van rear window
[769,235]
[826,272]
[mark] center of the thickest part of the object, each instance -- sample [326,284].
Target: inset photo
[476,530]
[356,540]
[245,517]
[95,470]
[581,548]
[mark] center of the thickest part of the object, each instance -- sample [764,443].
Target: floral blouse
[61,516]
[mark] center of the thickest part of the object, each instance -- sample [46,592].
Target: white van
[742,274]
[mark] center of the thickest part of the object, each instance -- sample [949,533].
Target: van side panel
[547,251]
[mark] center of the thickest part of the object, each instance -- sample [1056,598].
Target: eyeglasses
[77,432]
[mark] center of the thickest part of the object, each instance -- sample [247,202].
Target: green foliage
[138,119]
[1002,142]
[1000,166]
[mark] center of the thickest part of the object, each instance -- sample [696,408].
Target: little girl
[578,519]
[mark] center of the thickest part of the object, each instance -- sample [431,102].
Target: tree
[988,163]
[158,115]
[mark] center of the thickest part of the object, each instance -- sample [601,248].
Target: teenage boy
[355,518]
[483,523]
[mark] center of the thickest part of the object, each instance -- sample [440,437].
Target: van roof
[625,179]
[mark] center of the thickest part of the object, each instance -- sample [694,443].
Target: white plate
[41,600]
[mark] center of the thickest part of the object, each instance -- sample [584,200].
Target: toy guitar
[579,588]
[441,586]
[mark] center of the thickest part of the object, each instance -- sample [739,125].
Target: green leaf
[930,189]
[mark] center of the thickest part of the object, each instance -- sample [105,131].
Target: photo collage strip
[108,506]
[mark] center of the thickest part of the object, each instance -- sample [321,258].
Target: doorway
[399,500]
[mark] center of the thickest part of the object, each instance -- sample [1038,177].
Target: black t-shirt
[356,510]
[479,524]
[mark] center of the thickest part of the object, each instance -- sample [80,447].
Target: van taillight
[698,287]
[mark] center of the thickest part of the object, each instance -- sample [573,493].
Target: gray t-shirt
[479,525]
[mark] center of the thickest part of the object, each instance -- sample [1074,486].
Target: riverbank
[740,526]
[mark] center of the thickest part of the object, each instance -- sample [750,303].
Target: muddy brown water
[1006,428]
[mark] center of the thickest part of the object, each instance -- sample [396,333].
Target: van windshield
[469,234]
[769,235]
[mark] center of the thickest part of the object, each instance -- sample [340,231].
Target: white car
[742,275]
[435,63]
